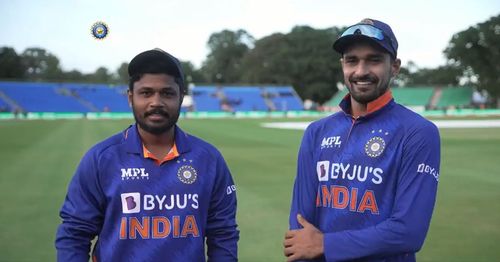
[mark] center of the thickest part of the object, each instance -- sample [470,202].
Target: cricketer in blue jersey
[367,176]
[151,192]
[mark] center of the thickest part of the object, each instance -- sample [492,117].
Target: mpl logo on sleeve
[131,203]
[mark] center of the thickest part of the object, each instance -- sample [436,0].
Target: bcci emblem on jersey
[375,146]
[187,174]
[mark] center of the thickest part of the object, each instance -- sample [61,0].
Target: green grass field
[38,158]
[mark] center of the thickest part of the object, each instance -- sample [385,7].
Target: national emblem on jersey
[187,174]
[375,146]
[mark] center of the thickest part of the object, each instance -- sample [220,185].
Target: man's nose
[361,69]
[156,99]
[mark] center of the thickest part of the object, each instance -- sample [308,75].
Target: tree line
[302,58]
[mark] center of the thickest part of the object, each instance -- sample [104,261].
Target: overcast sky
[182,27]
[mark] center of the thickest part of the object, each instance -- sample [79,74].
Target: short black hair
[138,77]
[156,61]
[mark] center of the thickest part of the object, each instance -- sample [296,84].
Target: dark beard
[363,98]
[157,130]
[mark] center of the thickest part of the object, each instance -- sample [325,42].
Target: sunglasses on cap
[367,30]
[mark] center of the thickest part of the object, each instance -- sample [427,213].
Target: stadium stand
[101,97]
[455,97]
[335,100]
[245,98]
[283,98]
[83,98]
[205,98]
[413,96]
[4,107]
[41,97]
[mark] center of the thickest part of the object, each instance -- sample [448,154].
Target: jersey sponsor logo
[131,203]
[187,174]
[142,226]
[157,227]
[327,170]
[134,173]
[341,197]
[426,169]
[230,189]
[330,142]
[322,169]
[134,203]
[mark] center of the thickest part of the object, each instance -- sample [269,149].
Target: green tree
[476,51]
[10,64]
[227,49]
[191,74]
[447,75]
[101,75]
[41,65]
[267,62]
[73,76]
[122,74]
[303,58]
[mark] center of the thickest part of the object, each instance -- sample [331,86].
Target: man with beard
[366,176]
[151,192]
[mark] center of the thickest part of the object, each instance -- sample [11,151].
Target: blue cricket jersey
[369,184]
[143,211]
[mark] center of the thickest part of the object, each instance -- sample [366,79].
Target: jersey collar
[133,143]
[372,106]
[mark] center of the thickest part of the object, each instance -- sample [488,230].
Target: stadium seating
[83,98]
[284,98]
[335,100]
[102,97]
[413,96]
[4,107]
[455,96]
[41,97]
[205,99]
[245,98]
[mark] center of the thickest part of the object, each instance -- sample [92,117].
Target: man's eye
[375,60]
[167,93]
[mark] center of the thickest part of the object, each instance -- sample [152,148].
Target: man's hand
[305,243]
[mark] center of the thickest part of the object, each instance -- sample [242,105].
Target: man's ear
[129,98]
[395,67]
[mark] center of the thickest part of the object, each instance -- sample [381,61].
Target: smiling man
[367,176]
[151,192]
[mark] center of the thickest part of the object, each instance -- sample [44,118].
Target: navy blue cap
[156,61]
[349,36]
